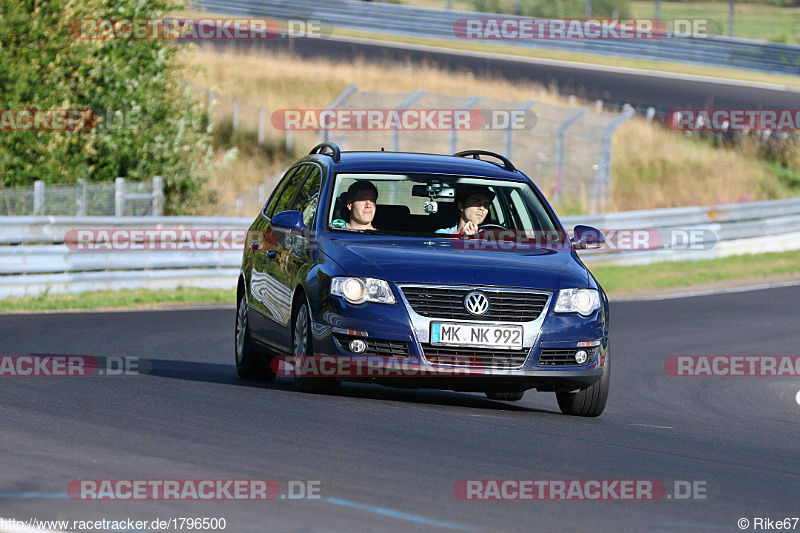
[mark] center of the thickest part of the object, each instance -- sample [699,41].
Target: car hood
[438,261]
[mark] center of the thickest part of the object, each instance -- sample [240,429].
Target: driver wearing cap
[474,202]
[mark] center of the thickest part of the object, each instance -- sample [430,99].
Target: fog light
[581,356]
[358,346]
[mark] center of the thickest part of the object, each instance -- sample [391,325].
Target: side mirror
[587,237]
[289,220]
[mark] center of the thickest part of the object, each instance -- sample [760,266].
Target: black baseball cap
[469,190]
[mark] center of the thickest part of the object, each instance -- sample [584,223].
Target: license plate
[477,335]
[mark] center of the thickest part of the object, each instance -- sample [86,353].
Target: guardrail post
[119,197]
[452,136]
[339,100]
[82,198]
[562,130]
[158,196]
[508,144]
[235,114]
[405,104]
[38,197]
[262,125]
[603,176]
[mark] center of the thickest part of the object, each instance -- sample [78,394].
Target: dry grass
[277,81]
[652,167]
[655,167]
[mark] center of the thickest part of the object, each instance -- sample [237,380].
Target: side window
[269,209]
[308,197]
[288,193]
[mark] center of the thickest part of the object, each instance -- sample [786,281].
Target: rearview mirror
[437,189]
[290,220]
[587,237]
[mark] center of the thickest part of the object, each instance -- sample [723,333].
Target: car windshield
[425,205]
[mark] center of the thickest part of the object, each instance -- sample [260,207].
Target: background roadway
[387,459]
[664,91]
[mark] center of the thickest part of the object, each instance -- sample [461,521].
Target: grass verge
[124,299]
[712,273]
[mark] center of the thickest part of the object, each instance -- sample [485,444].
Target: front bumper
[399,324]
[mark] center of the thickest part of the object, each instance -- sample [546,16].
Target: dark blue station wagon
[380,255]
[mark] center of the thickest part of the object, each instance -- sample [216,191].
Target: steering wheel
[491,226]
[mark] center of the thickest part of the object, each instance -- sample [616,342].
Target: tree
[145,124]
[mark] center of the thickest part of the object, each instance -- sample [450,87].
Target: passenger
[361,202]
[473,202]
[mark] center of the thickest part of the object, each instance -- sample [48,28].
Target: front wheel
[590,401]
[250,364]
[302,348]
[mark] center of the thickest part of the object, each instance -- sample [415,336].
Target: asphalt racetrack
[640,88]
[388,459]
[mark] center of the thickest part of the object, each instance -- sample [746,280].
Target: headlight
[581,301]
[360,290]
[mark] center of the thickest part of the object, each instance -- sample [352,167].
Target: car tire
[250,362]
[590,401]
[302,347]
[506,396]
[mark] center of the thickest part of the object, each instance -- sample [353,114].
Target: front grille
[565,356]
[509,306]
[474,357]
[376,346]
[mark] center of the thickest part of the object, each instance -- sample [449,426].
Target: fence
[83,199]
[242,117]
[713,51]
[34,260]
[567,152]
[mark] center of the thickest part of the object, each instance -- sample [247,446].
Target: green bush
[155,127]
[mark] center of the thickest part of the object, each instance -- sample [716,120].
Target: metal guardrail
[34,260]
[438,23]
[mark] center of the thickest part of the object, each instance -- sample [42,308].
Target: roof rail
[336,154]
[508,165]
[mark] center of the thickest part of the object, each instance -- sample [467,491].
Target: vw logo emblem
[476,303]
